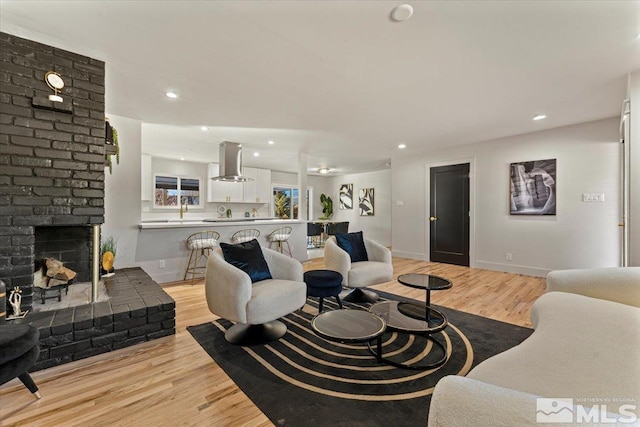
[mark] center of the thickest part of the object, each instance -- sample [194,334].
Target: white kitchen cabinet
[250,187]
[146,178]
[258,190]
[220,191]
[264,190]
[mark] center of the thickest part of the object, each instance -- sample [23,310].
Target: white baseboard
[170,276]
[494,266]
[410,255]
[510,268]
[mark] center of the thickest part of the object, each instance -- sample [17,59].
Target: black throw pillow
[353,244]
[247,256]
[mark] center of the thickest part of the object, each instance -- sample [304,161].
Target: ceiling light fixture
[256,154]
[204,128]
[171,95]
[324,170]
[182,158]
[401,13]
[270,142]
[539,117]
[402,146]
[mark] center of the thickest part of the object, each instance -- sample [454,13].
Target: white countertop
[217,222]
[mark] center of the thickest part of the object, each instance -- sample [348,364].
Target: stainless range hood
[231,163]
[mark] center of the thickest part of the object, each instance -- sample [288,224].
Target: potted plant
[108,250]
[327,206]
[111,145]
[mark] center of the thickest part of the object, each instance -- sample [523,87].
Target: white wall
[634,187]
[122,192]
[580,235]
[376,227]
[288,178]
[321,185]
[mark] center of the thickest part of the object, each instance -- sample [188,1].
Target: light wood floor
[172,381]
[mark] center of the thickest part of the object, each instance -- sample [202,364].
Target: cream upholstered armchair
[357,275]
[255,307]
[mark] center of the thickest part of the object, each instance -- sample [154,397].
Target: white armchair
[358,275]
[254,306]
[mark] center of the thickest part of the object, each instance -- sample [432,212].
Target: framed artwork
[533,187]
[365,204]
[346,196]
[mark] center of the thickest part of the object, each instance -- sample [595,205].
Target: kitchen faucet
[186,208]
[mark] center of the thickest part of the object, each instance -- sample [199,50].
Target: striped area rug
[303,379]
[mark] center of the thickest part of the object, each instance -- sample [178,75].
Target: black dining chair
[337,227]
[314,234]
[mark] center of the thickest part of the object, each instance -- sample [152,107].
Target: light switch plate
[593,197]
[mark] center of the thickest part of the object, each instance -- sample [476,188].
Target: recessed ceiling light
[323,170]
[204,128]
[539,117]
[181,158]
[401,146]
[171,95]
[401,13]
[256,154]
[270,142]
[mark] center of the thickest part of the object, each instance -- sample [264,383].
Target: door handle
[433,218]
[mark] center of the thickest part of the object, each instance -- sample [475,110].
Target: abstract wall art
[346,196]
[533,187]
[366,203]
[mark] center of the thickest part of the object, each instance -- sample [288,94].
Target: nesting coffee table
[414,318]
[425,312]
[350,326]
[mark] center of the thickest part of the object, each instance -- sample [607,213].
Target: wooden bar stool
[200,244]
[245,235]
[279,236]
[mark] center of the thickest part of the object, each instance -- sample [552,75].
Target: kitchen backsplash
[209,211]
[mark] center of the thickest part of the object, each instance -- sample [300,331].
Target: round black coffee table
[425,312]
[349,326]
[397,320]
[414,318]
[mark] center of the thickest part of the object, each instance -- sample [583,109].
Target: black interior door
[449,216]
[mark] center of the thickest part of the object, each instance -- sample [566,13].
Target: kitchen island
[162,250]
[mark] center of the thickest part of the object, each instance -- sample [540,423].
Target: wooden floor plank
[172,380]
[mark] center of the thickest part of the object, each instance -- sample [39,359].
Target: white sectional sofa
[585,347]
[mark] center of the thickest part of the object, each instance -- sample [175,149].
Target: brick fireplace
[52,154]
[71,245]
[52,157]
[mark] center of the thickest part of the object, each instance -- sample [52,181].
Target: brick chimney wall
[51,154]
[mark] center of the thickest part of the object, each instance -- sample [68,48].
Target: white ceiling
[338,79]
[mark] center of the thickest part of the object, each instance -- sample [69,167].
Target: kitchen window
[285,202]
[171,191]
